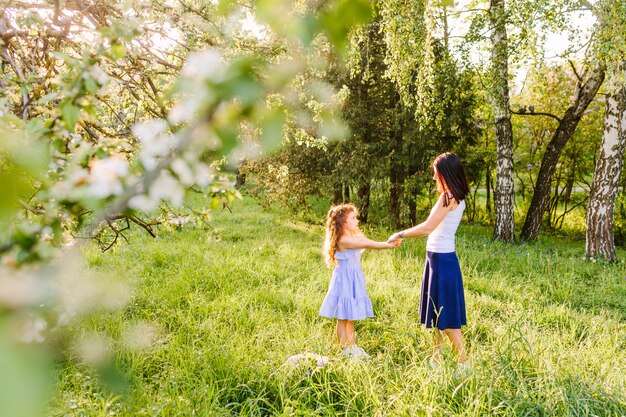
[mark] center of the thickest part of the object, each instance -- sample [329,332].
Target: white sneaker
[360,353]
[356,352]
[463,369]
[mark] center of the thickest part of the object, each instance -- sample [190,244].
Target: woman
[442,303]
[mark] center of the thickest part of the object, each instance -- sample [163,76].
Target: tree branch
[580,80]
[558,119]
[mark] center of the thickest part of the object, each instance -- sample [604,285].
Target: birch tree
[600,239]
[503,201]
[611,47]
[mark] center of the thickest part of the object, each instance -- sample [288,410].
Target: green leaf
[228,137]
[338,20]
[26,378]
[242,83]
[272,128]
[69,114]
[91,85]
[64,57]
[48,97]
[307,29]
[117,50]
[90,110]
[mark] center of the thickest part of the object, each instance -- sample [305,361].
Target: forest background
[112,113]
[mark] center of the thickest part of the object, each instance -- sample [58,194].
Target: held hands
[395,237]
[394,243]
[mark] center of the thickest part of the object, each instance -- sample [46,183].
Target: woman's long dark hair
[451,172]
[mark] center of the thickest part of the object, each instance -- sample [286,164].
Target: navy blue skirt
[442,304]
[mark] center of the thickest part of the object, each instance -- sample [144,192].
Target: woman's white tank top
[441,239]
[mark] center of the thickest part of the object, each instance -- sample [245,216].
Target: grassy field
[546,329]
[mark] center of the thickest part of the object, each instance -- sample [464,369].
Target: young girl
[347,298]
[442,302]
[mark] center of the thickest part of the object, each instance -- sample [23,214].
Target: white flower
[93,349]
[98,74]
[207,64]
[142,202]
[179,220]
[17,290]
[140,336]
[203,174]
[154,141]
[184,110]
[167,188]
[78,176]
[105,175]
[183,171]
[32,330]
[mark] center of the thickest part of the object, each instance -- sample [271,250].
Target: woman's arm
[426,227]
[361,242]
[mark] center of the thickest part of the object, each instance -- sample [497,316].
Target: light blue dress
[347,296]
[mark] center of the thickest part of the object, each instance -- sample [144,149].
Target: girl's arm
[426,227]
[361,242]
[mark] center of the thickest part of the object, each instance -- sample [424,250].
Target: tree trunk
[412,210]
[503,198]
[569,187]
[364,199]
[240,180]
[585,92]
[488,187]
[600,239]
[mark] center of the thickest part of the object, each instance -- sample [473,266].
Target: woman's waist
[440,245]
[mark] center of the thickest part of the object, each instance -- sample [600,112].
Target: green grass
[546,329]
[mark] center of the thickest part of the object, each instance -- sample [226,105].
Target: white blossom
[105,175]
[179,220]
[18,290]
[154,139]
[203,174]
[142,202]
[207,64]
[93,349]
[183,171]
[32,330]
[98,74]
[167,188]
[184,110]
[140,336]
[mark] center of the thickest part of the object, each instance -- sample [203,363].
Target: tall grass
[546,329]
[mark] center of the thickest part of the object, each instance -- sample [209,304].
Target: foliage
[386,158]
[109,115]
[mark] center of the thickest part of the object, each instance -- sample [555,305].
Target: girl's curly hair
[335,225]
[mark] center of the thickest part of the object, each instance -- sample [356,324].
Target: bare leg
[437,344]
[458,343]
[345,333]
[341,332]
[349,332]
